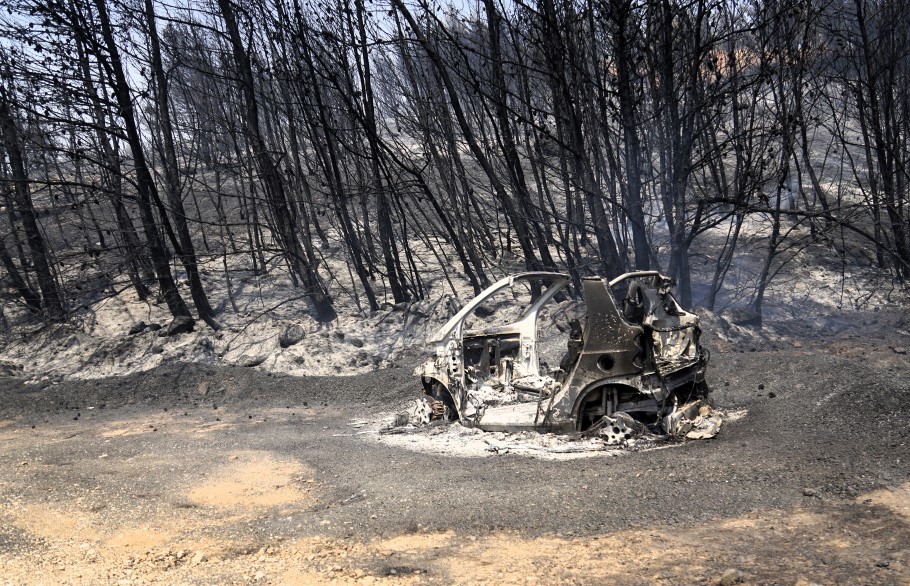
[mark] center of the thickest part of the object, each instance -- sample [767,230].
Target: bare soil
[197,474]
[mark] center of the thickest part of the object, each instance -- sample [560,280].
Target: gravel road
[199,475]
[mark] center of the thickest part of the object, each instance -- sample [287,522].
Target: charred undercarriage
[524,355]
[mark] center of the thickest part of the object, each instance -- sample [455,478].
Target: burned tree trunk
[329,159]
[145,184]
[621,12]
[537,225]
[31,298]
[136,260]
[519,223]
[51,300]
[394,270]
[273,183]
[570,128]
[186,250]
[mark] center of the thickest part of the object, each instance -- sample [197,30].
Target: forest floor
[209,474]
[227,458]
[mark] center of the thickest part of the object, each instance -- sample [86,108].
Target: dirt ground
[193,474]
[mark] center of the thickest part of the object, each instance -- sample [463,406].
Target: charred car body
[552,364]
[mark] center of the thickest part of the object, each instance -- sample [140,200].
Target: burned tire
[439,393]
[699,391]
[703,392]
[592,407]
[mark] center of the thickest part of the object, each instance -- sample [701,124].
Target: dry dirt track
[201,475]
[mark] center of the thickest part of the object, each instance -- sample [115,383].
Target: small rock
[251,361]
[882,564]
[203,388]
[10,369]
[180,325]
[809,491]
[899,350]
[290,335]
[198,558]
[742,316]
[357,342]
[771,394]
[761,387]
[730,577]
[805,582]
[137,328]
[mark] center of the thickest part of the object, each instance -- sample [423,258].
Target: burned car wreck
[523,355]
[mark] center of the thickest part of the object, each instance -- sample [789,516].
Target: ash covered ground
[201,473]
[230,457]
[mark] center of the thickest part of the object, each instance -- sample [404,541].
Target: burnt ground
[197,475]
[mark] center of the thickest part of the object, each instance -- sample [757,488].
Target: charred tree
[518,221]
[145,183]
[559,54]
[622,31]
[185,250]
[284,215]
[52,304]
[537,224]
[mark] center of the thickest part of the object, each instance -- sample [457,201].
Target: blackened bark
[272,181]
[519,223]
[328,157]
[31,298]
[186,251]
[138,265]
[145,184]
[51,300]
[623,54]
[394,271]
[538,225]
[879,113]
[569,121]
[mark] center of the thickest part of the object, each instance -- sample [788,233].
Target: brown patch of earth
[252,479]
[179,493]
[771,547]
[779,547]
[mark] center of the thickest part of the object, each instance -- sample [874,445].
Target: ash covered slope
[812,299]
